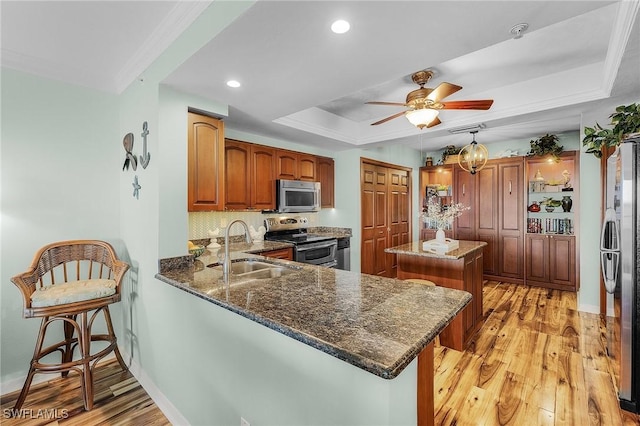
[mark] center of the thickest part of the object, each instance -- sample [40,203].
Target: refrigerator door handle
[610,235]
[610,263]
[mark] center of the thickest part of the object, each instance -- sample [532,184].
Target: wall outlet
[223,222]
[243,422]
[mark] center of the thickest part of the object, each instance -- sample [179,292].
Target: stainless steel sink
[250,269]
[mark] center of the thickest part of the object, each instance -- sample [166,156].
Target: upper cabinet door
[325,170]
[263,177]
[205,152]
[307,167]
[287,164]
[238,173]
[295,165]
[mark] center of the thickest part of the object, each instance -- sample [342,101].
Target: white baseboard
[168,409]
[592,309]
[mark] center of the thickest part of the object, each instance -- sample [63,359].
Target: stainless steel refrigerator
[620,260]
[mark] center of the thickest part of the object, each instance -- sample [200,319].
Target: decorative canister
[428,161]
[567,202]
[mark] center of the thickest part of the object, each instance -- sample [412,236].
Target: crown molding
[625,19]
[177,20]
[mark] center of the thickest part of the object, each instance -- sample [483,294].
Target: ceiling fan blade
[384,120]
[434,122]
[385,103]
[442,91]
[481,104]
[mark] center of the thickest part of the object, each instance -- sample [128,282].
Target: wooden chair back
[66,261]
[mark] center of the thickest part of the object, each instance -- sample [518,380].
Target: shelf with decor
[436,183]
[552,214]
[551,196]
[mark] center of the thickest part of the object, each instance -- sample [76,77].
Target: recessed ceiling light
[233,83]
[340,26]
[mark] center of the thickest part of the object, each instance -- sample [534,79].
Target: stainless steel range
[307,248]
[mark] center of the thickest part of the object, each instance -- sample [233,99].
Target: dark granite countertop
[330,230]
[415,249]
[377,324]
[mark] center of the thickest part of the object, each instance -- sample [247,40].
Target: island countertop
[414,248]
[377,324]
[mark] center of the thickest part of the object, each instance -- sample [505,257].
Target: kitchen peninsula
[379,325]
[459,269]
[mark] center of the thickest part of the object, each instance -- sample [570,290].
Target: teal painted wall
[60,168]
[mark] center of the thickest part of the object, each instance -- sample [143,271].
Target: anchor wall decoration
[132,160]
[145,157]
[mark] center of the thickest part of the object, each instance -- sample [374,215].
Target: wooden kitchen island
[459,269]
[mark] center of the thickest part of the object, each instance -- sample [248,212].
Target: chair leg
[85,349]
[112,335]
[67,354]
[32,369]
[25,390]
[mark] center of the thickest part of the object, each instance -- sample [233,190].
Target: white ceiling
[302,83]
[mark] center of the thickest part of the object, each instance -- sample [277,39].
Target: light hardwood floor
[119,400]
[536,361]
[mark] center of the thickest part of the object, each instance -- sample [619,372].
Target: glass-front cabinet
[436,183]
[552,221]
[552,195]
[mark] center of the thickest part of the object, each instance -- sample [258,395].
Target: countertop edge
[408,249]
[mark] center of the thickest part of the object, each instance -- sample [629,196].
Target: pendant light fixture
[473,157]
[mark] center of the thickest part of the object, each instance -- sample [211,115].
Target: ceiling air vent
[467,129]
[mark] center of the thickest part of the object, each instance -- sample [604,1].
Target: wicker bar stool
[65,282]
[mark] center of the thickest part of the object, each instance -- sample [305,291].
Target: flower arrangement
[442,216]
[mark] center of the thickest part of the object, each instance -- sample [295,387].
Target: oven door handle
[312,246]
[331,264]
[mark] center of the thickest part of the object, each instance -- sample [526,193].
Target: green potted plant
[449,150]
[626,123]
[546,145]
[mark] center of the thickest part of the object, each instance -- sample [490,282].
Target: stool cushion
[73,291]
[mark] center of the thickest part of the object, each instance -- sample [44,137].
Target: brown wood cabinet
[205,153]
[495,195]
[252,170]
[250,176]
[480,223]
[551,257]
[510,217]
[285,253]
[551,261]
[295,165]
[326,170]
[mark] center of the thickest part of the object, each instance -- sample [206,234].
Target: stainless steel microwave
[297,196]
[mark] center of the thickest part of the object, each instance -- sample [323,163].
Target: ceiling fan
[424,104]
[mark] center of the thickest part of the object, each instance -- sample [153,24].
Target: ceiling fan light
[473,157]
[421,117]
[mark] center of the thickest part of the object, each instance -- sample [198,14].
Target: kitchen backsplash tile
[201,222]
